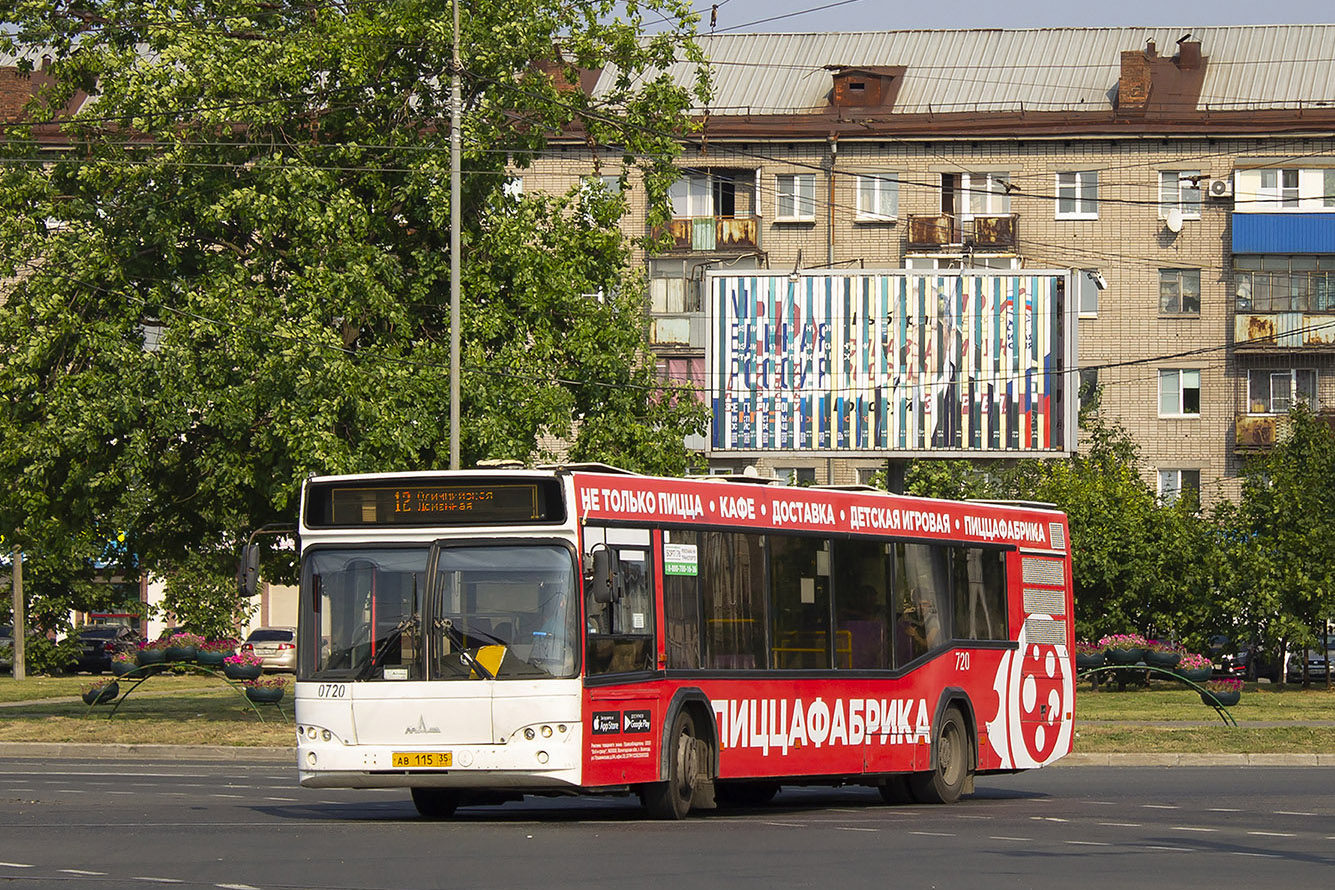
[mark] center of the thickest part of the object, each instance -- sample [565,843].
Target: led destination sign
[344,505]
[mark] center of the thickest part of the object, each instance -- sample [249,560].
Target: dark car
[6,647]
[98,643]
[1316,661]
[1250,662]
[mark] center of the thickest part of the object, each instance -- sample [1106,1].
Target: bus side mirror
[607,582]
[248,572]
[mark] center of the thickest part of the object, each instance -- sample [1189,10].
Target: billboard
[893,363]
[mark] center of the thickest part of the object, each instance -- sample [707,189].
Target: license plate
[423,759]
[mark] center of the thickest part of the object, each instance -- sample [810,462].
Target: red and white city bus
[476,636]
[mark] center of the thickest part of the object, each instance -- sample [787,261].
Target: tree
[1283,550]
[234,271]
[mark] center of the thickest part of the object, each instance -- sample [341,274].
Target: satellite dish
[1174,220]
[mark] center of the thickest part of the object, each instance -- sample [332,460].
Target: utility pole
[20,622]
[455,198]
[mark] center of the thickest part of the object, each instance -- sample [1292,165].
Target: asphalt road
[138,824]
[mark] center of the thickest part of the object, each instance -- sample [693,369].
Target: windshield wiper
[390,638]
[461,641]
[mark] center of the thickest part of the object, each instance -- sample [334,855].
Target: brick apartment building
[1186,177]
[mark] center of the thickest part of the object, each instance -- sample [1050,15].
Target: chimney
[1133,87]
[1189,55]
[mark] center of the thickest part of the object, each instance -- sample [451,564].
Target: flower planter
[151,656]
[242,671]
[102,694]
[264,694]
[1088,661]
[1126,656]
[1195,675]
[121,668]
[211,659]
[1160,659]
[1226,698]
[180,653]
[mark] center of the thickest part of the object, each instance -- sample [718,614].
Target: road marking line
[1160,806]
[1223,810]
[236,887]
[80,871]
[1101,803]
[1088,844]
[1047,819]
[1168,849]
[998,837]
[1287,813]
[158,880]
[1272,834]
[1258,855]
[233,796]
[1119,824]
[788,824]
[15,865]
[843,828]
[283,799]
[1190,828]
[931,833]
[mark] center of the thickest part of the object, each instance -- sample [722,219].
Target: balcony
[713,233]
[1269,332]
[993,232]
[1260,432]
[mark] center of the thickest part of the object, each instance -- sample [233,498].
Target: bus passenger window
[922,597]
[861,607]
[800,574]
[620,635]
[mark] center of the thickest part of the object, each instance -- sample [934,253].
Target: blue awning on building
[1284,232]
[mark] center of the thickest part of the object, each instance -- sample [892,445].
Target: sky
[880,15]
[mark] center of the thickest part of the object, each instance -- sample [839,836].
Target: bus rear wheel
[945,783]
[435,803]
[671,799]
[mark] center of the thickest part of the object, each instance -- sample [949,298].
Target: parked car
[1251,662]
[1316,661]
[99,642]
[6,647]
[276,647]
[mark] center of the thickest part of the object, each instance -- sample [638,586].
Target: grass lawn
[1166,718]
[200,710]
[164,710]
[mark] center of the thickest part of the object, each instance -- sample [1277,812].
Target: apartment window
[1173,482]
[985,194]
[1274,392]
[1279,187]
[1328,187]
[692,196]
[796,475]
[1279,283]
[1078,195]
[513,188]
[1087,292]
[1180,392]
[878,196]
[1180,291]
[796,196]
[1180,190]
[685,370]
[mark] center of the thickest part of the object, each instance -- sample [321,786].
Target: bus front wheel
[671,799]
[945,783]
[435,803]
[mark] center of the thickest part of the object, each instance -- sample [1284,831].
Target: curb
[1112,759]
[79,750]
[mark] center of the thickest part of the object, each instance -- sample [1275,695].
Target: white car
[276,648]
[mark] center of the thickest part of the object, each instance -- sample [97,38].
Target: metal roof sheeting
[1044,69]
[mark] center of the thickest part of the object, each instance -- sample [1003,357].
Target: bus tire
[946,781]
[435,803]
[671,799]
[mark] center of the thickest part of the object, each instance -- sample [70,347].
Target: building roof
[1247,67]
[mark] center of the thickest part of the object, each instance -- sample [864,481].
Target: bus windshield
[497,612]
[505,611]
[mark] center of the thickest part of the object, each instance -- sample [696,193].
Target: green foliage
[42,655]
[202,594]
[238,273]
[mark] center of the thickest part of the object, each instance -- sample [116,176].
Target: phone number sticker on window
[423,759]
